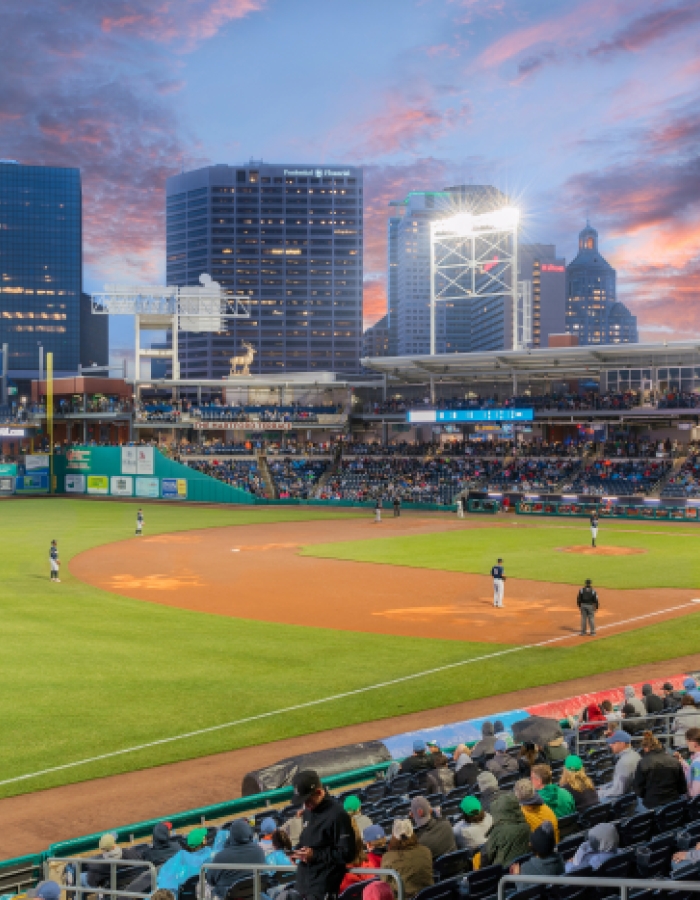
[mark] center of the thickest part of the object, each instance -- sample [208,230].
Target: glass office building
[290,239]
[40,266]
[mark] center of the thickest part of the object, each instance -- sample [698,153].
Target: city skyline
[575,109]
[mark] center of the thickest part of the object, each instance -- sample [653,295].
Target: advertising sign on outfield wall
[145,461]
[147,487]
[174,488]
[75,484]
[7,484]
[97,484]
[78,459]
[8,468]
[246,426]
[36,462]
[129,460]
[121,486]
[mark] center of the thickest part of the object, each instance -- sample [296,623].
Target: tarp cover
[325,762]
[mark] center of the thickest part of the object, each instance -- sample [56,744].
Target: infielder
[378,510]
[460,507]
[54,562]
[139,523]
[594,528]
[499,584]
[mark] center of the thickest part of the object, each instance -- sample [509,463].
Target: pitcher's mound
[604,551]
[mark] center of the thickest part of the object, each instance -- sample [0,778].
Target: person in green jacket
[510,835]
[558,799]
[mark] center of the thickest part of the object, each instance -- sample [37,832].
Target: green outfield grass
[532,550]
[86,672]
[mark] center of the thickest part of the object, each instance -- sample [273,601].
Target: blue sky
[574,108]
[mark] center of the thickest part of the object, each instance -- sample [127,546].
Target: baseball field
[226,628]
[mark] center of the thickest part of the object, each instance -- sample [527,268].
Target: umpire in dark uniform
[588,604]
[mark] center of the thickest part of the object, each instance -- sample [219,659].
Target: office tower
[592,311]
[94,335]
[290,239]
[375,340]
[40,266]
[472,322]
[545,274]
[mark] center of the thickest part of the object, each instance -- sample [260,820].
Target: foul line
[310,703]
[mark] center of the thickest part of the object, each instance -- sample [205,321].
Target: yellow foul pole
[49,414]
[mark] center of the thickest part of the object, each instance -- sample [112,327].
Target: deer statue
[244,360]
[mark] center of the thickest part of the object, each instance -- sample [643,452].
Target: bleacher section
[686,481]
[296,478]
[239,473]
[619,477]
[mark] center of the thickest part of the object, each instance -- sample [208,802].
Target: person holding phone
[327,841]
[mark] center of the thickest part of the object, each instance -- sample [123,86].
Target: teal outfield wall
[99,471]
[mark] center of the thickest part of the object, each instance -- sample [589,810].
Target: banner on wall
[37,482]
[8,468]
[98,484]
[174,488]
[75,484]
[129,460]
[36,462]
[78,460]
[7,484]
[121,486]
[147,487]
[145,460]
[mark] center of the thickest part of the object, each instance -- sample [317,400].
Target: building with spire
[593,312]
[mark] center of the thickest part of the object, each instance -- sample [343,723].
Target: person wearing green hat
[186,863]
[471,832]
[578,784]
[353,808]
[557,799]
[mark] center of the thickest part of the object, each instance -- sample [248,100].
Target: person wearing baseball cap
[46,890]
[327,840]
[435,834]
[628,759]
[419,762]
[502,763]
[353,808]
[472,831]
[375,842]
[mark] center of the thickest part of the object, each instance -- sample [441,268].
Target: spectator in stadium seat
[375,846]
[95,875]
[488,789]
[466,771]
[509,836]
[502,764]
[435,834]
[625,766]
[267,828]
[631,698]
[441,780]
[46,890]
[652,702]
[688,717]
[578,784]
[691,768]
[412,861]
[281,847]
[601,845]
[691,687]
[485,746]
[671,697]
[186,863]
[501,734]
[633,724]
[544,860]
[435,753]
[555,750]
[358,862]
[529,757]
[419,761]
[163,846]
[327,841]
[293,826]
[240,847]
[534,808]
[353,808]
[560,801]
[659,778]
[378,890]
[472,831]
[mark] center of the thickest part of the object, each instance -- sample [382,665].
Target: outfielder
[499,584]
[378,510]
[139,522]
[54,562]
[460,507]
[594,528]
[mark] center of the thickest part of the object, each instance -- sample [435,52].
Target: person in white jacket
[472,832]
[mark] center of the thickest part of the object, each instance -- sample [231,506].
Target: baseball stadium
[211,587]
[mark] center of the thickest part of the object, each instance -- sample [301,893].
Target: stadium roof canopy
[553,362]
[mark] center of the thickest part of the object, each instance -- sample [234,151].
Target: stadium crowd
[616,794]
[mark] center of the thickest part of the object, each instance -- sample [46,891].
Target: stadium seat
[401,783]
[594,815]
[637,829]
[569,825]
[569,845]
[450,864]
[622,865]
[623,807]
[354,892]
[188,890]
[443,890]
[654,860]
[671,816]
[375,791]
[484,882]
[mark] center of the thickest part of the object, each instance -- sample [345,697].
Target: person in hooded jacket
[659,778]
[509,836]
[688,717]
[411,860]
[631,698]
[652,702]
[502,763]
[557,799]
[472,831]
[466,771]
[534,808]
[240,847]
[488,789]
[435,834]
[440,780]
[544,860]
[185,863]
[163,847]
[484,747]
[601,845]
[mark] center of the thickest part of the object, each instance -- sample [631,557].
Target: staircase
[330,471]
[678,463]
[270,488]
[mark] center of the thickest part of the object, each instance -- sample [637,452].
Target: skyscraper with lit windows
[289,237]
[593,312]
[40,266]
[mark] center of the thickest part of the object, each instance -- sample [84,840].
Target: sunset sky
[573,108]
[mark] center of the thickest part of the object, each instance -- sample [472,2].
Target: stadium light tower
[474,257]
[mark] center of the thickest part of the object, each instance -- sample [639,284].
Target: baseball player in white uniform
[499,584]
[594,528]
[55,562]
[139,523]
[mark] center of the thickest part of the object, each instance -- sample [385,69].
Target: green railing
[618,510]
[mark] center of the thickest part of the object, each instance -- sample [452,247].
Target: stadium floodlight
[474,262]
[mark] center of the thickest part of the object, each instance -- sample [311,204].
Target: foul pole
[49,414]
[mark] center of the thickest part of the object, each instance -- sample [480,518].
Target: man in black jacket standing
[588,604]
[327,841]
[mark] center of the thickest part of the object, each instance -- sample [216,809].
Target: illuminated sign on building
[318,173]
[550,267]
[438,416]
[12,432]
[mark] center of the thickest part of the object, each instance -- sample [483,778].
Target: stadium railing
[652,721]
[260,868]
[79,863]
[624,885]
